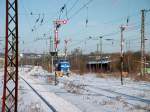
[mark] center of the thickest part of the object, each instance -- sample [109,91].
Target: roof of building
[99,62]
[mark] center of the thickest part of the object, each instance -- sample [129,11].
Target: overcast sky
[104,18]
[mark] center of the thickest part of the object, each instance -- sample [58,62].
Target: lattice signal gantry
[10,90]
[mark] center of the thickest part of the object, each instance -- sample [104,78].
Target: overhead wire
[64,7]
[70,9]
[87,17]
[85,5]
[42,20]
[60,11]
[74,4]
[39,20]
[105,35]
[80,9]
[128,16]
[27,16]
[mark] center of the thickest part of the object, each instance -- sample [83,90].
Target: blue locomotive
[63,67]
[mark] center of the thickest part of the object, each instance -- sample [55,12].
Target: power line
[105,35]
[64,7]
[74,4]
[27,16]
[80,9]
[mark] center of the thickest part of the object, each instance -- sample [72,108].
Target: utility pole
[97,48]
[99,53]
[10,88]
[51,50]
[101,45]
[97,58]
[50,47]
[143,58]
[65,50]
[142,42]
[122,54]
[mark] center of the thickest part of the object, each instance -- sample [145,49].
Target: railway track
[125,96]
[40,96]
[122,94]
[92,91]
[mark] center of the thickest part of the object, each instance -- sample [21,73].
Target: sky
[104,19]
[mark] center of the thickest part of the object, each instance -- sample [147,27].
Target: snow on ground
[108,95]
[92,94]
[28,100]
[1,86]
[86,93]
[57,102]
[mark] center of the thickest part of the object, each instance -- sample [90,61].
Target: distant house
[101,65]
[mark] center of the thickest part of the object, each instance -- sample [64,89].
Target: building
[101,65]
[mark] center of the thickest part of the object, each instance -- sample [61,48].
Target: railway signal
[57,25]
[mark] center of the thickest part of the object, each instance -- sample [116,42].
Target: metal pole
[97,65]
[142,42]
[55,45]
[143,58]
[51,50]
[121,55]
[52,64]
[101,52]
[65,50]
